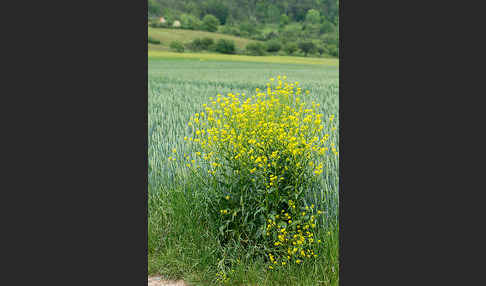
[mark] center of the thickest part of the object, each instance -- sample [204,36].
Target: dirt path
[158,281]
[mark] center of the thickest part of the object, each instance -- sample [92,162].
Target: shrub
[273,46]
[258,158]
[290,48]
[321,49]
[210,23]
[230,30]
[199,44]
[225,46]
[206,42]
[177,46]
[153,41]
[333,50]
[158,25]
[196,45]
[269,36]
[307,47]
[225,29]
[255,49]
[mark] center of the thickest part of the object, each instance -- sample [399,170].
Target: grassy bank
[152,54]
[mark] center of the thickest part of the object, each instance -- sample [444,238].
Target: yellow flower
[227,197]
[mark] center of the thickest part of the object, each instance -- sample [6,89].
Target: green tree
[292,31]
[326,27]
[313,16]
[210,23]
[154,7]
[189,21]
[284,20]
[249,27]
[273,14]
[260,11]
[218,9]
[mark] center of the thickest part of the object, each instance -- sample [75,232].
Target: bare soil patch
[159,281]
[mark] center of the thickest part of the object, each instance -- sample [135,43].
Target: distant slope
[168,35]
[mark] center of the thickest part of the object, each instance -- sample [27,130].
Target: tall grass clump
[259,161]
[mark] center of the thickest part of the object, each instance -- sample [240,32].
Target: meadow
[182,241]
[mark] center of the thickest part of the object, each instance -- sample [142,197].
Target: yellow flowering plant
[258,156]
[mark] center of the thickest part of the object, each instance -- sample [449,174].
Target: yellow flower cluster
[272,133]
[295,241]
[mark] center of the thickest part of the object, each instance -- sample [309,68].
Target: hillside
[287,27]
[165,36]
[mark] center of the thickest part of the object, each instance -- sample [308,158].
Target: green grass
[242,58]
[168,35]
[182,241]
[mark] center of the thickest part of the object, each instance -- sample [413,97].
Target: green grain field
[180,244]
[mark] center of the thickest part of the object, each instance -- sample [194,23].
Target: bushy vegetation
[257,158]
[290,48]
[307,47]
[190,22]
[225,46]
[210,23]
[200,44]
[255,49]
[273,46]
[218,185]
[153,41]
[177,46]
